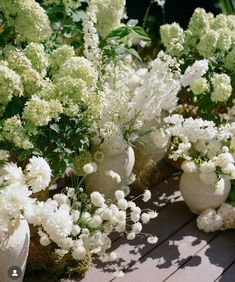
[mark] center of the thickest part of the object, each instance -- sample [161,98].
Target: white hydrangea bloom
[209,221]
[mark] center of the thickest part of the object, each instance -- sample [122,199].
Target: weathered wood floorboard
[183,253]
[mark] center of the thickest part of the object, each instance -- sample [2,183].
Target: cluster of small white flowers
[201,144]
[84,232]
[159,89]
[193,129]
[16,188]
[211,220]
[115,176]
[91,38]
[194,72]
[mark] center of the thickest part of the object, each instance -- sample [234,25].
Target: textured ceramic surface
[121,163]
[200,196]
[14,251]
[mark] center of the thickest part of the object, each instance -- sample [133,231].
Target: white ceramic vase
[121,163]
[14,251]
[200,196]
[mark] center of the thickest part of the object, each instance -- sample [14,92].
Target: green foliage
[120,41]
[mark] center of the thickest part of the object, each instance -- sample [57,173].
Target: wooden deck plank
[208,264]
[163,194]
[228,275]
[132,251]
[166,258]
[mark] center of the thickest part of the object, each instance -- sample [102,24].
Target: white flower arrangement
[80,226]
[16,188]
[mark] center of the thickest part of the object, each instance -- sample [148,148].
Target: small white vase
[14,250]
[200,196]
[121,163]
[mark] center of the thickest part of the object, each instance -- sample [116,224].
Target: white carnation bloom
[38,174]
[11,174]
[58,224]
[14,198]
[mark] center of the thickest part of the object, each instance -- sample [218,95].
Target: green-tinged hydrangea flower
[85,157]
[59,56]
[199,86]
[56,108]
[72,4]
[169,32]
[172,36]
[70,88]
[231,22]
[207,44]
[37,56]
[10,84]
[37,111]
[14,132]
[109,14]
[78,67]
[224,42]
[29,19]
[199,22]
[229,61]
[70,109]
[220,21]
[32,80]
[222,88]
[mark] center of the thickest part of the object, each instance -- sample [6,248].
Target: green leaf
[134,53]
[55,127]
[141,33]
[132,22]
[22,155]
[119,33]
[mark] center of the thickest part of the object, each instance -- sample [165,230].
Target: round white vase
[121,163]
[200,196]
[14,250]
